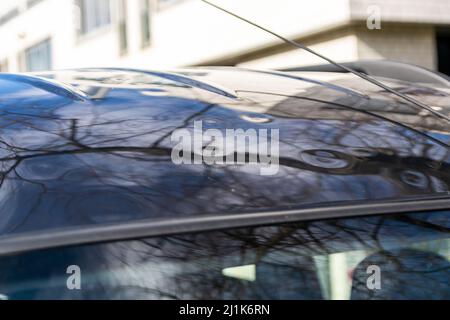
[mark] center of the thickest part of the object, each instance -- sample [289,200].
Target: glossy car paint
[92,147]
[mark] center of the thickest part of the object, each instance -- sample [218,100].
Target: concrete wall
[404,11]
[406,43]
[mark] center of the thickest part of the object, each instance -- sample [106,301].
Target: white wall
[183,34]
[191,32]
[56,19]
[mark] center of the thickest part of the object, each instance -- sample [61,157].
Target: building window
[39,57]
[145,22]
[162,4]
[122,17]
[94,14]
[4,65]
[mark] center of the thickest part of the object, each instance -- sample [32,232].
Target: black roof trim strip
[144,229]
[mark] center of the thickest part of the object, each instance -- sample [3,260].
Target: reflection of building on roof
[58,34]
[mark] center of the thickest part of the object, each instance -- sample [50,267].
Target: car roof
[91,147]
[386,69]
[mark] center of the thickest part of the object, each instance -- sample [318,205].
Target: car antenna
[299,45]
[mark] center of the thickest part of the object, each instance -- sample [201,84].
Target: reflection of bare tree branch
[190,266]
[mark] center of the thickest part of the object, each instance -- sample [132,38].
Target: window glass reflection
[314,260]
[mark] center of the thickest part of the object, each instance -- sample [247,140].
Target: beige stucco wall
[340,45]
[408,43]
[404,11]
[414,44]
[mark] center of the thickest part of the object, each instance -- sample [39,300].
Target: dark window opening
[443,51]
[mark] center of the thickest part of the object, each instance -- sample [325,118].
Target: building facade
[58,34]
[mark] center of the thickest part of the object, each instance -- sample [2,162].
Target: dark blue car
[92,205]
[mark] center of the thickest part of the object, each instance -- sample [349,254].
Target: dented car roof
[92,146]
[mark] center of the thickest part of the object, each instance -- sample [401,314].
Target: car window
[404,256]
